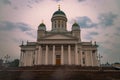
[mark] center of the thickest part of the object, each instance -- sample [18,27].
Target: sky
[99,21]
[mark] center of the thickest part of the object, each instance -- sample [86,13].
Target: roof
[59,36]
[59,12]
[42,24]
[75,24]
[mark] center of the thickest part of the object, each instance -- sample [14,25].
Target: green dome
[59,12]
[42,26]
[75,26]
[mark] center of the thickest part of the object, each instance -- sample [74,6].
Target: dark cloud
[90,35]
[31,2]
[11,35]
[81,0]
[6,25]
[34,1]
[85,22]
[23,26]
[29,6]
[118,28]
[57,0]
[117,34]
[93,33]
[107,19]
[32,33]
[37,1]
[8,2]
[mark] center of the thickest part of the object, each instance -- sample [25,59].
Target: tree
[14,63]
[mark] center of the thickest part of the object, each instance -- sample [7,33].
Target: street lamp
[6,59]
[99,58]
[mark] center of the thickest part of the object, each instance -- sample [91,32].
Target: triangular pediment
[59,36]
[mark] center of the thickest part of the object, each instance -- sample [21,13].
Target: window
[24,51]
[58,56]
[93,51]
[55,24]
[33,61]
[83,53]
[62,24]
[83,60]
[59,24]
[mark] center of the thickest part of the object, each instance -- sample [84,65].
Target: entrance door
[58,60]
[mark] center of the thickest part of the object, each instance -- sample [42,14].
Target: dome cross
[58,7]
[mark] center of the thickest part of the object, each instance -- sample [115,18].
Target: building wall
[37,57]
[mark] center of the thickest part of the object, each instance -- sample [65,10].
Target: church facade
[59,46]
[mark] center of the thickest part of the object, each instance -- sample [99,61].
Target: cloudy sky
[99,21]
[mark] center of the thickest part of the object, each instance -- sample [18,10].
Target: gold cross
[42,21]
[59,7]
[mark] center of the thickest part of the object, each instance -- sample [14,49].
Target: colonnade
[54,54]
[27,56]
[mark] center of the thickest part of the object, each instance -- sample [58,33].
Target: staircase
[59,73]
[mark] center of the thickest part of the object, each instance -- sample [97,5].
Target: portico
[55,52]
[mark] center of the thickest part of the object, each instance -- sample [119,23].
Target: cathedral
[59,46]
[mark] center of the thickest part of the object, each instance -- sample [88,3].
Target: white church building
[59,46]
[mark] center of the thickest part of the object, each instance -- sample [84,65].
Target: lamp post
[99,58]
[6,60]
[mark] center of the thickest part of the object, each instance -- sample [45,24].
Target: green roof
[75,24]
[59,12]
[42,24]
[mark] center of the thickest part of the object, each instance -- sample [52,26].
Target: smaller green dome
[42,26]
[75,26]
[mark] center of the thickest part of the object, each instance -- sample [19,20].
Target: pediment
[59,36]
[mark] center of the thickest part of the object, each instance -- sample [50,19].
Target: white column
[21,59]
[23,62]
[39,55]
[36,57]
[81,57]
[62,57]
[31,58]
[46,55]
[91,59]
[86,58]
[76,54]
[25,57]
[96,60]
[53,54]
[69,54]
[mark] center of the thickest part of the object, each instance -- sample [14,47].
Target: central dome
[59,21]
[59,12]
